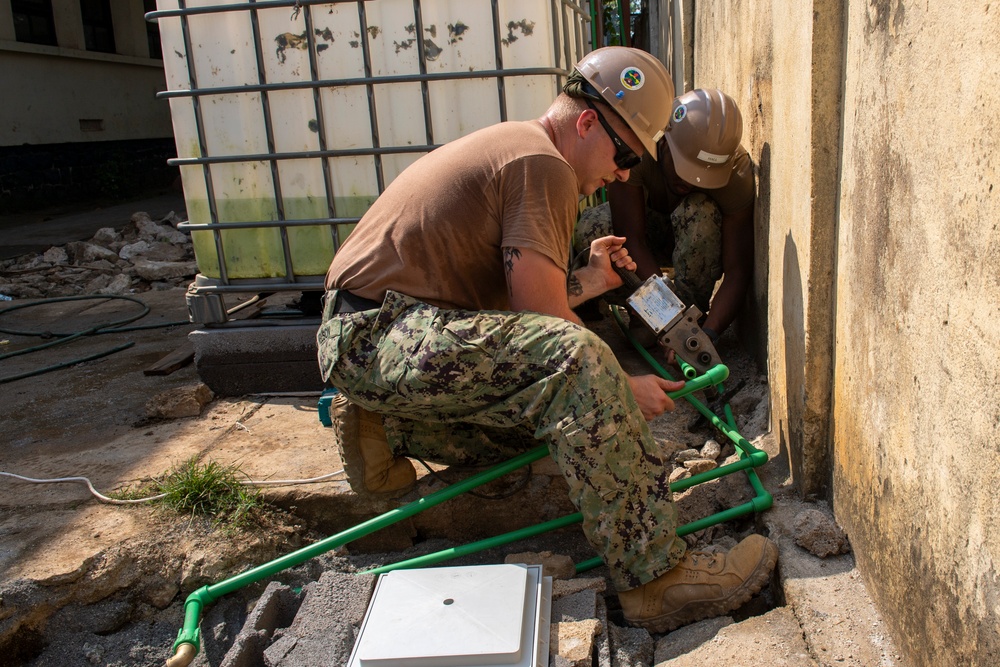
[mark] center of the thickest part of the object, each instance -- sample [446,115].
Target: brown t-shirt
[437,231]
[732,197]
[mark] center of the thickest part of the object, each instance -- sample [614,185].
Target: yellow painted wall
[874,128]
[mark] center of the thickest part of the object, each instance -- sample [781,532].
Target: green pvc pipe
[728,429]
[190,634]
[481,545]
[196,601]
[759,503]
[687,370]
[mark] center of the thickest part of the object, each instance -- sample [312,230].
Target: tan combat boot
[370,465]
[703,585]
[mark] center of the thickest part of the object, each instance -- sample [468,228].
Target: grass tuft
[212,490]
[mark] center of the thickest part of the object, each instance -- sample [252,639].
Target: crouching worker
[448,326]
[690,208]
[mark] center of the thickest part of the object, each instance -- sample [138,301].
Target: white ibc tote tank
[290,118]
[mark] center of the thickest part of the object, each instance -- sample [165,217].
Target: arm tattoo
[509,255]
[573,285]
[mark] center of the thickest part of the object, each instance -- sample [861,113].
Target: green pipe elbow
[762,500]
[190,634]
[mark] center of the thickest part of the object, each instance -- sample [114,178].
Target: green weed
[203,490]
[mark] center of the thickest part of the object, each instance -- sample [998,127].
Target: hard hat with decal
[704,132]
[635,84]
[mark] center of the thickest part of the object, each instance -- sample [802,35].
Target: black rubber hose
[115,326]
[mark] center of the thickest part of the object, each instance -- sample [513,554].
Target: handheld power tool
[674,324]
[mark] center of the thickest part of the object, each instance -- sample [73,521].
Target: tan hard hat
[705,130]
[636,85]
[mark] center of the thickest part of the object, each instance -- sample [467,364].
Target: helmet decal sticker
[680,113]
[712,158]
[633,78]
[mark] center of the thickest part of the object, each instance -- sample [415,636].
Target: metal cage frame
[572,34]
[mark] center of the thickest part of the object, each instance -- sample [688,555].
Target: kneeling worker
[448,322]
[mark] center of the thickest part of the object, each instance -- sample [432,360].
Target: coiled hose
[114,326]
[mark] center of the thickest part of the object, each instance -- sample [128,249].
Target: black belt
[348,302]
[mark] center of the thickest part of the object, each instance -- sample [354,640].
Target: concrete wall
[916,414]
[55,95]
[779,62]
[878,288]
[61,94]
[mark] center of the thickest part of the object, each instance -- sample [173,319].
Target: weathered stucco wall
[917,409]
[779,61]
[873,125]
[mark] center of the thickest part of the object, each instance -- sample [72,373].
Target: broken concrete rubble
[145,254]
[818,533]
[186,401]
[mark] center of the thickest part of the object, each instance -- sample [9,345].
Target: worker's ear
[585,122]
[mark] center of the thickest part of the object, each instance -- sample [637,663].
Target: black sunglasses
[625,157]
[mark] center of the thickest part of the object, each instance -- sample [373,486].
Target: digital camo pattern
[471,387]
[690,240]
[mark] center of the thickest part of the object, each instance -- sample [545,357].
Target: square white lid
[452,616]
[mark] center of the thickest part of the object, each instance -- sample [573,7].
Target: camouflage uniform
[690,241]
[479,387]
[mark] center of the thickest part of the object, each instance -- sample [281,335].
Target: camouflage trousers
[484,386]
[689,240]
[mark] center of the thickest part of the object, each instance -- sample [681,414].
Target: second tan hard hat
[636,85]
[704,132]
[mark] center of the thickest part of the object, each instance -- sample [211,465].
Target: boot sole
[346,420]
[697,611]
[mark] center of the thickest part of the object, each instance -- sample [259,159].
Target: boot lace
[709,558]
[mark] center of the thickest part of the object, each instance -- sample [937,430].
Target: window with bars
[33,22]
[98,30]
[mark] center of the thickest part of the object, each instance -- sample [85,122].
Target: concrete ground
[90,583]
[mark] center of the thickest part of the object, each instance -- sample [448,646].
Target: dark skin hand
[628,217]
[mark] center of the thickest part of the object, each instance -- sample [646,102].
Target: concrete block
[571,643]
[688,638]
[274,610]
[557,566]
[631,647]
[575,607]
[774,639]
[240,360]
[563,588]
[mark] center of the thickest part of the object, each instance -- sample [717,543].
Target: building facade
[80,119]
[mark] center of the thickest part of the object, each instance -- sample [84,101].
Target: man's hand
[605,251]
[650,393]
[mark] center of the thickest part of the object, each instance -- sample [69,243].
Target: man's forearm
[585,284]
[726,304]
